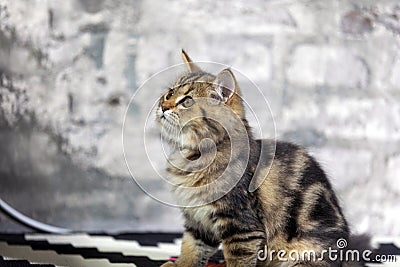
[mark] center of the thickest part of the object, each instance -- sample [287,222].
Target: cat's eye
[187,102]
[170,94]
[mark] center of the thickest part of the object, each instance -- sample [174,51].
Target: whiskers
[170,127]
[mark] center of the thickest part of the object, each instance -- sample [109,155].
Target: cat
[292,205]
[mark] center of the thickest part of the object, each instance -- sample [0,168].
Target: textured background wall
[329,69]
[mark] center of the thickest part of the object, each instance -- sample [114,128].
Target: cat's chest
[202,217]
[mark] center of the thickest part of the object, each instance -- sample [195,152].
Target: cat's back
[298,193]
[289,166]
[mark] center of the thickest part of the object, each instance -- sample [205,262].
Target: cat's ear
[225,84]
[189,62]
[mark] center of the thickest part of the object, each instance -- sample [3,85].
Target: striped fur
[295,208]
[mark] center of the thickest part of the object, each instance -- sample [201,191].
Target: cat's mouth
[163,118]
[166,119]
[169,128]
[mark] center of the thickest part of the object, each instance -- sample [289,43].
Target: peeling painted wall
[329,69]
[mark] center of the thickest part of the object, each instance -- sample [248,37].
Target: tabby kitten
[293,206]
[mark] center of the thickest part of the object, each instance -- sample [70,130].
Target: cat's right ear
[189,62]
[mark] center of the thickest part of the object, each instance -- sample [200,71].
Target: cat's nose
[164,108]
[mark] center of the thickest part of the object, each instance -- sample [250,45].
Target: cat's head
[200,105]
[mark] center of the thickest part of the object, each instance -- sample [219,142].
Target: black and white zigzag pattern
[124,250]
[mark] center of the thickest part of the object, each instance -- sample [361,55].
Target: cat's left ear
[189,62]
[226,86]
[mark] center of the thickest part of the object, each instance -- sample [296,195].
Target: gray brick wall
[329,70]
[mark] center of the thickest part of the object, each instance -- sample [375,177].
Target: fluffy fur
[294,208]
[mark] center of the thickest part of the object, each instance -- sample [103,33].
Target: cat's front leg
[241,250]
[194,252]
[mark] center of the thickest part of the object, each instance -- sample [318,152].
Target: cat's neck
[193,151]
[192,166]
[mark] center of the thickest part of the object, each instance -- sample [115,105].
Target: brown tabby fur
[295,207]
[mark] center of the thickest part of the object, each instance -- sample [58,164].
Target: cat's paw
[169,264]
